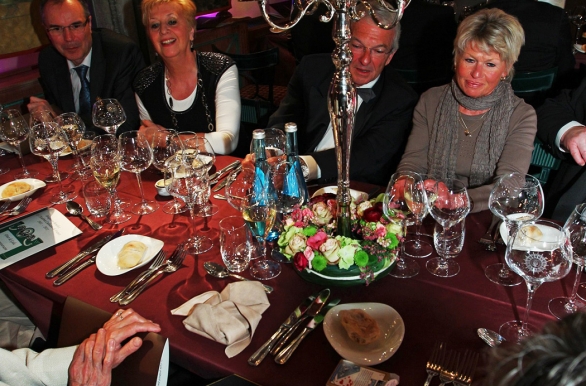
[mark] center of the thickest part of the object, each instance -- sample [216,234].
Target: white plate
[107,258]
[578,47]
[83,144]
[357,195]
[392,332]
[33,182]
[547,231]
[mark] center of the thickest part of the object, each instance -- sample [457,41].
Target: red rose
[322,198]
[372,214]
[300,261]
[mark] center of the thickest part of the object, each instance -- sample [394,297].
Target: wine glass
[105,164]
[516,198]
[108,114]
[576,227]
[206,157]
[15,130]
[74,127]
[540,251]
[40,116]
[136,156]
[416,198]
[165,143]
[186,182]
[46,139]
[2,152]
[394,201]
[449,204]
[578,18]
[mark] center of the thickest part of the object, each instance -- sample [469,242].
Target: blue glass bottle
[295,180]
[263,184]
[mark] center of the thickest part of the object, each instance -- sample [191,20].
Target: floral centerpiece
[308,238]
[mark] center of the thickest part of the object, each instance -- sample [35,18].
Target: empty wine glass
[576,227]
[136,156]
[74,127]
[108,114]
[48,140]
[416,199]
[394,201]
[448,243]
[578,18]
[105,164]
[516,198]
[540,251]
[15,130]
[165,143]
[42,115]
[206,157]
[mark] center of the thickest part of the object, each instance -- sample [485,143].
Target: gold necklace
[467,131]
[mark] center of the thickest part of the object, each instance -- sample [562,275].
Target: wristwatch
[304,169]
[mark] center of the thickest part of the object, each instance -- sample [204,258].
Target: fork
[449,369]
[4,206]
[157,262]
[171,265]
[487,239]
[464,377]
[433,365]
[18,209]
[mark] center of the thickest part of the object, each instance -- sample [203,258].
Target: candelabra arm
[280,28]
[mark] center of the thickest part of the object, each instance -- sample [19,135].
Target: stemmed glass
[578,18]
[15,130]
[105,164]
[2,152]
[449,204]
[187,181]
[136,156]
[42,116]
[275,142]
[394,200]
[416,198]
[576,227]
[74,127]
[540,252]
[108,114]
[48,140]
[206,157]
[516,198]
[165,143]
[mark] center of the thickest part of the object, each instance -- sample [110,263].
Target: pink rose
[317,240]
[380,230]
[309,255]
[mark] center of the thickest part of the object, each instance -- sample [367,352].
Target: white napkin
[230,317]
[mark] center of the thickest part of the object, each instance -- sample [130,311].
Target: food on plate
[131,254]
[529,234]
[16,188]
[360,326]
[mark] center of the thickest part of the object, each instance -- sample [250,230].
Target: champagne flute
[393,202]
[165,143]
[48,140]
[186,182]
[40,116]
[74,127]
[15,130]
[108,114]
[516,198]
[105,164]
[539,252]
[136,156]
[416,198]
[576,227]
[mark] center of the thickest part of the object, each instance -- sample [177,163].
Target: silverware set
[18,209]
[451,366]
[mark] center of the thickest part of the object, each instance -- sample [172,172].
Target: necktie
[84,93]
[366,94]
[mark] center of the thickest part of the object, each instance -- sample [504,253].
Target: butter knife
[223,183]
[262,352]
[286,353]
[86,252]
[215,177]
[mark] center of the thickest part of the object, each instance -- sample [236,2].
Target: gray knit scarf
[443,146]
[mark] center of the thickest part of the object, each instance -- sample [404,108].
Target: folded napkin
[230,317]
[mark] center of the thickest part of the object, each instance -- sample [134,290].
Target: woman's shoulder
[214,62]
[146,77]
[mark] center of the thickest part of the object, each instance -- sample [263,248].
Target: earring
[192,45]
[503,78]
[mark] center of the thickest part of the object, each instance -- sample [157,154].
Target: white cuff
[562,131]
[314,170]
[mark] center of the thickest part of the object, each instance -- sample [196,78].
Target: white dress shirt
[75,81]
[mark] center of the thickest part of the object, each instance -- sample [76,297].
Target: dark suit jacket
[381,126]
[568,187]
[115,62]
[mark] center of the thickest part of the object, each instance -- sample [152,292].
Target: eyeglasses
[73,28]
[358,48]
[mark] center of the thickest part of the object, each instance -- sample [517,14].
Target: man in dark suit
[561,127]
[80,59]
[381,124]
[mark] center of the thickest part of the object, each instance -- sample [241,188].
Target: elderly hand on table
[96,356]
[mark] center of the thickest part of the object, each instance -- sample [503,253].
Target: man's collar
[371,83]
[86,61]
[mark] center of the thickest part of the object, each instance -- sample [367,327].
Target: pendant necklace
[467,131]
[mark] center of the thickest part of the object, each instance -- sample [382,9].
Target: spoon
[490,337]
[75,209]
[216,270]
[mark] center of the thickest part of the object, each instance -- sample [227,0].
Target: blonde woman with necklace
[187,90]
[475,129]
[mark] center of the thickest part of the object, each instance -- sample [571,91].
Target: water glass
[448,243]
[234,243]
[97,199]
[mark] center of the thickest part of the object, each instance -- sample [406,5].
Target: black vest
[149,85]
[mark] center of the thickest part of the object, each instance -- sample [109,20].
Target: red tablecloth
[433,309]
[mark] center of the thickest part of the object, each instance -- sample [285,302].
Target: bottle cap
[290,127]
[258,134]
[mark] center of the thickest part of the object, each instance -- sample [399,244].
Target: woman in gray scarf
[475,129]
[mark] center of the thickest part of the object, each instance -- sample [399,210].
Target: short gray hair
[384,16]
[83,3]
[491,29]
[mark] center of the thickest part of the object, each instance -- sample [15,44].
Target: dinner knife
[223,183]
[86,252]
[284,355]
[220,173]
[260,354]
[68,275]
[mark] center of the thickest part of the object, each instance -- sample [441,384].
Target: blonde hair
[491,29]
[188,9]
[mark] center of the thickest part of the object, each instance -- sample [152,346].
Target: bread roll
[360,326]
[131,254]
[529,234]
[16,188]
